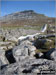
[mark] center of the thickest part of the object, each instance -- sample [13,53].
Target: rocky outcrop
[27,55]
[3,58]
[25,49]
[29,67]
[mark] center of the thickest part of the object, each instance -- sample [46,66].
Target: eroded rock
[29,67]
[19,59]
[23,50]
[3,58]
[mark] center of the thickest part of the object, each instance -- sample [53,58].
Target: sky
[42,7]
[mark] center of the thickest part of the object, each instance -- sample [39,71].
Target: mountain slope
[27,17]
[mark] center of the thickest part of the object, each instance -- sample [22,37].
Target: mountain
[27,17]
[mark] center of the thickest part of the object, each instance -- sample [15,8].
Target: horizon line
[27,10]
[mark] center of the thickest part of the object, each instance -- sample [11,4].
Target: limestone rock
[2,38]
[6,45]
[17,56]
[3,58]
[11,39]
[24,49]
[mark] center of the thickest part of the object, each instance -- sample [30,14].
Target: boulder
[3,58]
[3,48]
[11,39]
[29,67]
[23,50]
[6,45]
[44,44]
[2,38]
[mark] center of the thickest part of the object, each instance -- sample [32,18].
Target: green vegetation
[41,50]
[45,44]
[24,27]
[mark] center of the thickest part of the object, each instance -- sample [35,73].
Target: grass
[41,50]
[23,27]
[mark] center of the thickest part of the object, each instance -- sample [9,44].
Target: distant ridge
[27,17]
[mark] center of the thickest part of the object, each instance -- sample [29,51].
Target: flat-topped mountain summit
[27,17]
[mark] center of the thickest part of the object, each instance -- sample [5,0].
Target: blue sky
[43,7]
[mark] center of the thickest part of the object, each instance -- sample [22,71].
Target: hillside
[27,17]
[28,51]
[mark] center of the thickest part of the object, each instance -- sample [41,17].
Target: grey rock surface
[18,58]
[3,58]
[28,67]
[26,48]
